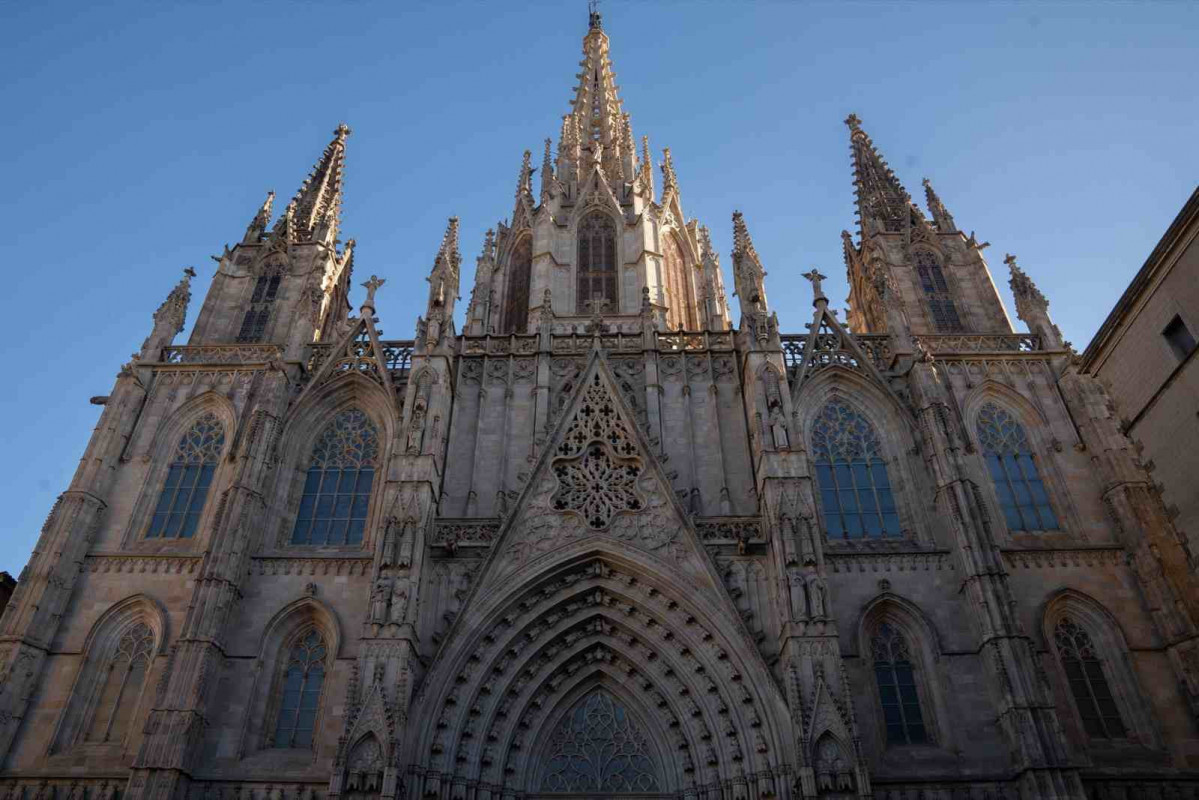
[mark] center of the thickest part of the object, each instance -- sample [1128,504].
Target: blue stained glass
[300,700]
[896,680]
[1013,469]
[337,488]
[185,489]
[855,491]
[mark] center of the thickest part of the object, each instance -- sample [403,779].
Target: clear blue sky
[140,138]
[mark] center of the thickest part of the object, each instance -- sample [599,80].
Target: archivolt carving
[593,622]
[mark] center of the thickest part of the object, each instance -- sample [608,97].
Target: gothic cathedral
[605,539]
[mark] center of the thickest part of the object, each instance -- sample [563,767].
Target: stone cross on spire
[371,287]
[817,291]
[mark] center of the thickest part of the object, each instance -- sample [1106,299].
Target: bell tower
[285,284]
[930,270]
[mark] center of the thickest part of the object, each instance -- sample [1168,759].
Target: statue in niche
[817,594]
[778,429]
[798,591]
[399,600]
[416,430]
[379,599]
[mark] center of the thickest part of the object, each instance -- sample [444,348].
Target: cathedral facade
[605,539]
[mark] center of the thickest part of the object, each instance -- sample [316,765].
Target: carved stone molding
[284,565]
[153,564]
[1051,559]
[890,562]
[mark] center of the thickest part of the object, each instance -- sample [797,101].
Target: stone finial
[854,122]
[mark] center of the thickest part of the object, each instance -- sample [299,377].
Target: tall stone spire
[438,323]
[257,227]
[318,202]
[596,106]
[941,215]
[883,204]
[748,274]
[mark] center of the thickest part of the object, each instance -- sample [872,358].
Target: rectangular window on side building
[1179,337]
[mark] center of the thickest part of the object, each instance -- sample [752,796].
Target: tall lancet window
[855,492]
[678,297]
[120,688]
[516,301]
[266,289]
[1088,684]
[189,476]
[303,678]
[337,488]
[597,262]
[896,678]
[936,290]
[1018,483]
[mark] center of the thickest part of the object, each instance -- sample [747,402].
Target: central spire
[597,125]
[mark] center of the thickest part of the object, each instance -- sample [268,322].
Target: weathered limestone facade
[603,540]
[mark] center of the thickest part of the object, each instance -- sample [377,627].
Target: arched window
[120,688]
[597,262]
[266,288]
[599,747]
[188,478]
[337,489]
[896,678]
[940,302]
[516,303]
[303,677]
[1088,684]
[678,299]
[1010,461]
[855,492]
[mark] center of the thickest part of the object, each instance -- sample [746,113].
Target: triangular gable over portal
[597,482]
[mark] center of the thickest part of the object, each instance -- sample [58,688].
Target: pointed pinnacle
[940,213]
[742,243]
[547,171]
[670,181]
[524,182]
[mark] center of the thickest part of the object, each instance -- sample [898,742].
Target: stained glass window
[302,681]
[266,288]
[189,476]
[597,261]
[1018,483]
[516,303]
[337,488]
[599,747]
[936,290]
[855,492]
[121,686]
[896,680]
[1088,684]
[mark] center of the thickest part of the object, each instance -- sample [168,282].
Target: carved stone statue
[778,429]
[379,602]
[797,590]
[399,600]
